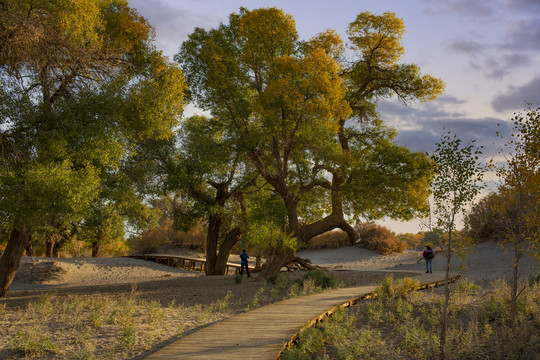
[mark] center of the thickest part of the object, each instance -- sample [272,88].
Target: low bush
[322,279]
[152,239]
[378,238]
[329,240]
[390,287]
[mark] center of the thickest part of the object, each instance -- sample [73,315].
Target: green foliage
[288,107]
[258,299]
[456,184]
[390,288]
[516,205]
[31,343]
[434,237]
[518,196]
[82,83]
[481,220]
[322,279]
[465,285]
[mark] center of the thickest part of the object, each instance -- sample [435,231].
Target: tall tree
[82,81]
[517,203]
[203,167]
[306,118]
[456,184]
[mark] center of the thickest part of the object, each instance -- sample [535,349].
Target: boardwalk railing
[186,262]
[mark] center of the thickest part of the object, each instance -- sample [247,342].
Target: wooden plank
[263,333]
[185,262]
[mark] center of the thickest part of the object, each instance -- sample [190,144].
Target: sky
[487,52]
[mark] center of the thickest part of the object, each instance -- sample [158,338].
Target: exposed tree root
[298,263]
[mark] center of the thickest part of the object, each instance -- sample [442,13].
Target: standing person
[428,255]
[244,263]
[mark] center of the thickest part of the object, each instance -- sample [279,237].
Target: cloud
[479,9]
[523,35]
[471,7]
[172,24]
[499,67]
[419,128]
[516,96]
[504,38]
[496,61]
[522,5]
[471,48]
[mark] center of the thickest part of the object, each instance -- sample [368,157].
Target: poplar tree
[81,82]
[305,116]
[458,175]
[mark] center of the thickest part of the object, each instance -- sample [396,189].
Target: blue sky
[487,52]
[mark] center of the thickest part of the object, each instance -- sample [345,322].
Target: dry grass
[399,327]
[129,325]
[99,327]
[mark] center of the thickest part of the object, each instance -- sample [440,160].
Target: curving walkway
[262,334]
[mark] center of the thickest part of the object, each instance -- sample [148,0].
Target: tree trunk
[29,250]
[57,246]
[9,262]
[336,219]
[444,315]
[514,291]
[96,248]
[49,245]
[330,222]
[230,240]
[278,260]
[212,240]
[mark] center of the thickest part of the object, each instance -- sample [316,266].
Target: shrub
[413,241]
[481,220]
[379,238]
[322,279]
[329,240]
[390,288]
[165,234]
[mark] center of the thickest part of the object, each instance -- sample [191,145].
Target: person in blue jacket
[244,263]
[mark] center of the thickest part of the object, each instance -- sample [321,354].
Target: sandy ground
[485,262]
[155,281]
[124,277]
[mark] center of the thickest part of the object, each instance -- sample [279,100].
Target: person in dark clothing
[428,255]
[244,263]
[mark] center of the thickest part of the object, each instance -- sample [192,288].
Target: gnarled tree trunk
[54,243]
[279,259]
[230,240]
[11,257]
[212,241]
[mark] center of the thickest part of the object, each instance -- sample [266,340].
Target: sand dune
[487,262]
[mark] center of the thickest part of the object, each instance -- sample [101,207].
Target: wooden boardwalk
[263,333]
[187,263]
